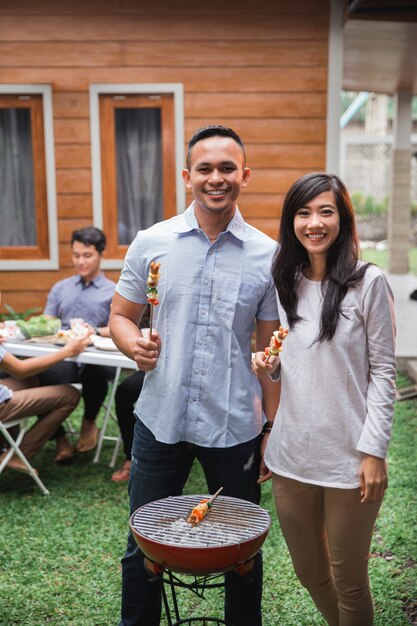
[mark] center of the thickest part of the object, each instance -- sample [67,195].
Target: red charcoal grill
[227,539]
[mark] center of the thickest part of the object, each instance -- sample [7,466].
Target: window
[135,174]
[27,199]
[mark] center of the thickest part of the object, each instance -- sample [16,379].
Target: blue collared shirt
[71,297]
[202,390]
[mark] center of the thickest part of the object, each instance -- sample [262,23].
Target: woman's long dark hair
[342,270]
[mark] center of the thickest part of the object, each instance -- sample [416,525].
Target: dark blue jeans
[160,470]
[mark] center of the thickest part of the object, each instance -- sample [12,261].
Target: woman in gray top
[326,451]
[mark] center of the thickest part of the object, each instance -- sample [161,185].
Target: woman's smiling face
[317,224]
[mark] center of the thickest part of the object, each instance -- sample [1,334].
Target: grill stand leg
[198,586]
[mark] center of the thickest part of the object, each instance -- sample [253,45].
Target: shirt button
[206,282]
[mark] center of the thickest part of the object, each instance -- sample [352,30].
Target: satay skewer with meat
[200,511]
[275,345]
[152,291]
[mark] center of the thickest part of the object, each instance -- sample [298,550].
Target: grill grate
[230,521]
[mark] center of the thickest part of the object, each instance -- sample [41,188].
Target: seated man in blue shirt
[86,295]
[199,398]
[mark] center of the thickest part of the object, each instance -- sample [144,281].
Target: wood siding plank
[257,105]
[255,204]
[75,205]
[72,130]
[159,26]
[73,181]
[70,156]
[75,104]
[302,155]
[60,54]
[63,7]
[172,53]
[209,79]
[273,181]
[270,130]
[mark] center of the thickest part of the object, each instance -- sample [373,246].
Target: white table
[92,356]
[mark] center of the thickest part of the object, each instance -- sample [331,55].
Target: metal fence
[366,166]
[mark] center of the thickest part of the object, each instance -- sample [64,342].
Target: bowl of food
[39,326]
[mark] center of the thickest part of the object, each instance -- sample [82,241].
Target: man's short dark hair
[90,236]
[213,131]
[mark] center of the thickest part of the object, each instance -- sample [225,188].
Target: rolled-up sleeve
[132,281]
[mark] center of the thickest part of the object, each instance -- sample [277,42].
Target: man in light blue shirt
[199,399]
[86,295]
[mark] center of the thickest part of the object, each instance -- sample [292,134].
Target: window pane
[17,199]
[139,170]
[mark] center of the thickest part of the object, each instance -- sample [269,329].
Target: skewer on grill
[200,511]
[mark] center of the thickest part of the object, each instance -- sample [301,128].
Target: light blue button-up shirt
[202,390]
[71,297]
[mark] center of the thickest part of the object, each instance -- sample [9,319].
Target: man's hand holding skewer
[146,351]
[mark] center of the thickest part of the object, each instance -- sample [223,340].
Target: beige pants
[52,404]
[328,533]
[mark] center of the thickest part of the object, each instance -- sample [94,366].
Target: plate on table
[105,343]
[11,332]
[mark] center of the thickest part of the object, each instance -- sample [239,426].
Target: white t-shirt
[337,396]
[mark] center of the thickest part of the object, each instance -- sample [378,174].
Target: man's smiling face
[217,174]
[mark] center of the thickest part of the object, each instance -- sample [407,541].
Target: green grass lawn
[60,555]
[380,258]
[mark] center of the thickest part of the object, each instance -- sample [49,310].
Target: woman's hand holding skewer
[261,367]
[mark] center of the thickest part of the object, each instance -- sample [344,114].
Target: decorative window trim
[51,263]
[135,88]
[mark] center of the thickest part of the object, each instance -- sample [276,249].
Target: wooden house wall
[259,66]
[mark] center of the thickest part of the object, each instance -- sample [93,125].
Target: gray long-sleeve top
[337,396]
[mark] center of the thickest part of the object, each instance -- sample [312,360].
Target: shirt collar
[96,282]
[187,222]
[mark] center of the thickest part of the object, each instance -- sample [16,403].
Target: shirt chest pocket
[248,298]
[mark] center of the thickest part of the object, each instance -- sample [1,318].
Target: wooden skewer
[212,499]
[195,518]
[150,320]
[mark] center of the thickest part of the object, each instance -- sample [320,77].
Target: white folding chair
[109,415]
[15,448]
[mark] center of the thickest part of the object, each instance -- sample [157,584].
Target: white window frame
[52,263]
[96,90]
